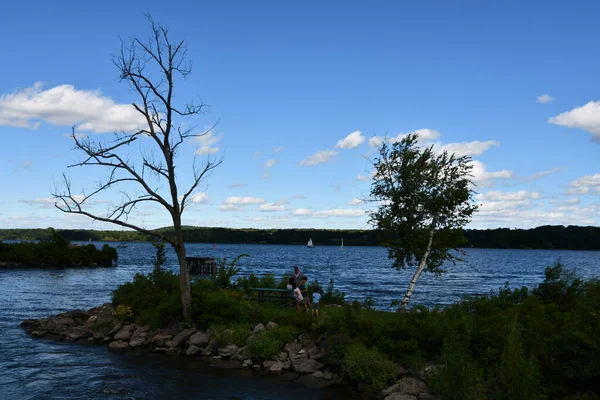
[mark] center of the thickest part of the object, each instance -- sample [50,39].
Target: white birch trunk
[418,272]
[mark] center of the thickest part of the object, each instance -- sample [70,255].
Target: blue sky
[512,84]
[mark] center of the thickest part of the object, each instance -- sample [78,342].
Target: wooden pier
[201,265]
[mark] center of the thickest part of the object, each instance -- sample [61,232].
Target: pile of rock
[408,388]
[98,325]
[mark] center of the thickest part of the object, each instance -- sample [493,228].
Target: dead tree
[150,69]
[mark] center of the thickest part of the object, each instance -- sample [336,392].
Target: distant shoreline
[540,238]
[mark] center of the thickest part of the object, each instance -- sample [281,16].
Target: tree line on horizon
[542,237]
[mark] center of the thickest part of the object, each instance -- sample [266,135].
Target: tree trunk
[418,272]
[184,283]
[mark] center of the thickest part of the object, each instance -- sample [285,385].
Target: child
[315,302]
[298,296]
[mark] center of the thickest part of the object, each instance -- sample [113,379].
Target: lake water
[40,369]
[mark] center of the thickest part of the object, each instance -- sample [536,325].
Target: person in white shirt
[298,296]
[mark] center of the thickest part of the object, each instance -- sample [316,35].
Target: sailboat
[342,246]
[309,244]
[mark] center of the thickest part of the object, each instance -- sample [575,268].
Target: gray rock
[192,350]
[182,336]
[306,366]
[140,330]
[267,364]
[242,354]
[247,362]
[400,396]
[287,364]
[292,348]
[91,320]
[160,350]
[173,351]
[130,328]
[228,351]
[123,334]
[409,385]
[137,341]
[160,340]
[59,325]
[86,341]
[283,356]
[249,339]
[256,367]
[199,339]
[115,329]
[276,367]
[258,328]
[79,332]
[428,396]
[39,334]
[118,345]
[318,375]
[271,325]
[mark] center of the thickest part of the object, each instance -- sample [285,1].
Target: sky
[299,91]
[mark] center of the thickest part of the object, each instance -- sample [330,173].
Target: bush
[369,366]
[236,334]
[270,342]
[124,313]
[225,272]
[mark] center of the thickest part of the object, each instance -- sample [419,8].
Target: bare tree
[150,69]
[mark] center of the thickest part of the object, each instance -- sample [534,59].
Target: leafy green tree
[424,200]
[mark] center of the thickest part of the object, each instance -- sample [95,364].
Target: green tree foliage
[424,201]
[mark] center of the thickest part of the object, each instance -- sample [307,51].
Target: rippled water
[40,369]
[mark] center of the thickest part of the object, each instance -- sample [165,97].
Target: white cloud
[351,141]
[586,118]
[64,105]
[44,202]
[466,148]
[521,195]
[356,202]
[256,154]
[199,198]
[298,196]
[545,98]
[278,149]
[363,178]
[235,203]
[541,174]
[318,158]
[243,201]
[270,163]
[206,142]
[425,135]
[585,184]
[271,207]
[340,212]
[302,211]
[236,184]
[483,178]
[26,164]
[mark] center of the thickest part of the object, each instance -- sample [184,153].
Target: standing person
[304,290]
[297,275]
[315,302]
[298,296]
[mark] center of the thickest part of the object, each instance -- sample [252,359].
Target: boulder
[271,325]
[242,354]
[292,348]
[86,341]
[91,320]
[267,364]
[182,337]
[228,351]
[192,350]
[59,325]
[258,328]
[307,366]
[283,356]
[140,330]
[430,371]
[123,334]
[118,345]
[115,329]
[199,339]
[79,332]
[256,367]
[247,362]
[400,396]
[409,385]
[318,375]
[30,325]
[137,341]
[276,367]
[160,340]
[38,334]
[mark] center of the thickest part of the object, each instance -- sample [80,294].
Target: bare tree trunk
[418,272]
[184,283]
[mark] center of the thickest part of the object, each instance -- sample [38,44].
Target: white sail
[310,244]
[342,246]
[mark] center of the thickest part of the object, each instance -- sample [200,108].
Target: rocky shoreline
[302,359]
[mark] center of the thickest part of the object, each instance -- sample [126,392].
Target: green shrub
[268,343]
[225,272]
[369,366]
[236,334]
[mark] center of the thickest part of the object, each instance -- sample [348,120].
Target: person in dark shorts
[316,299]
